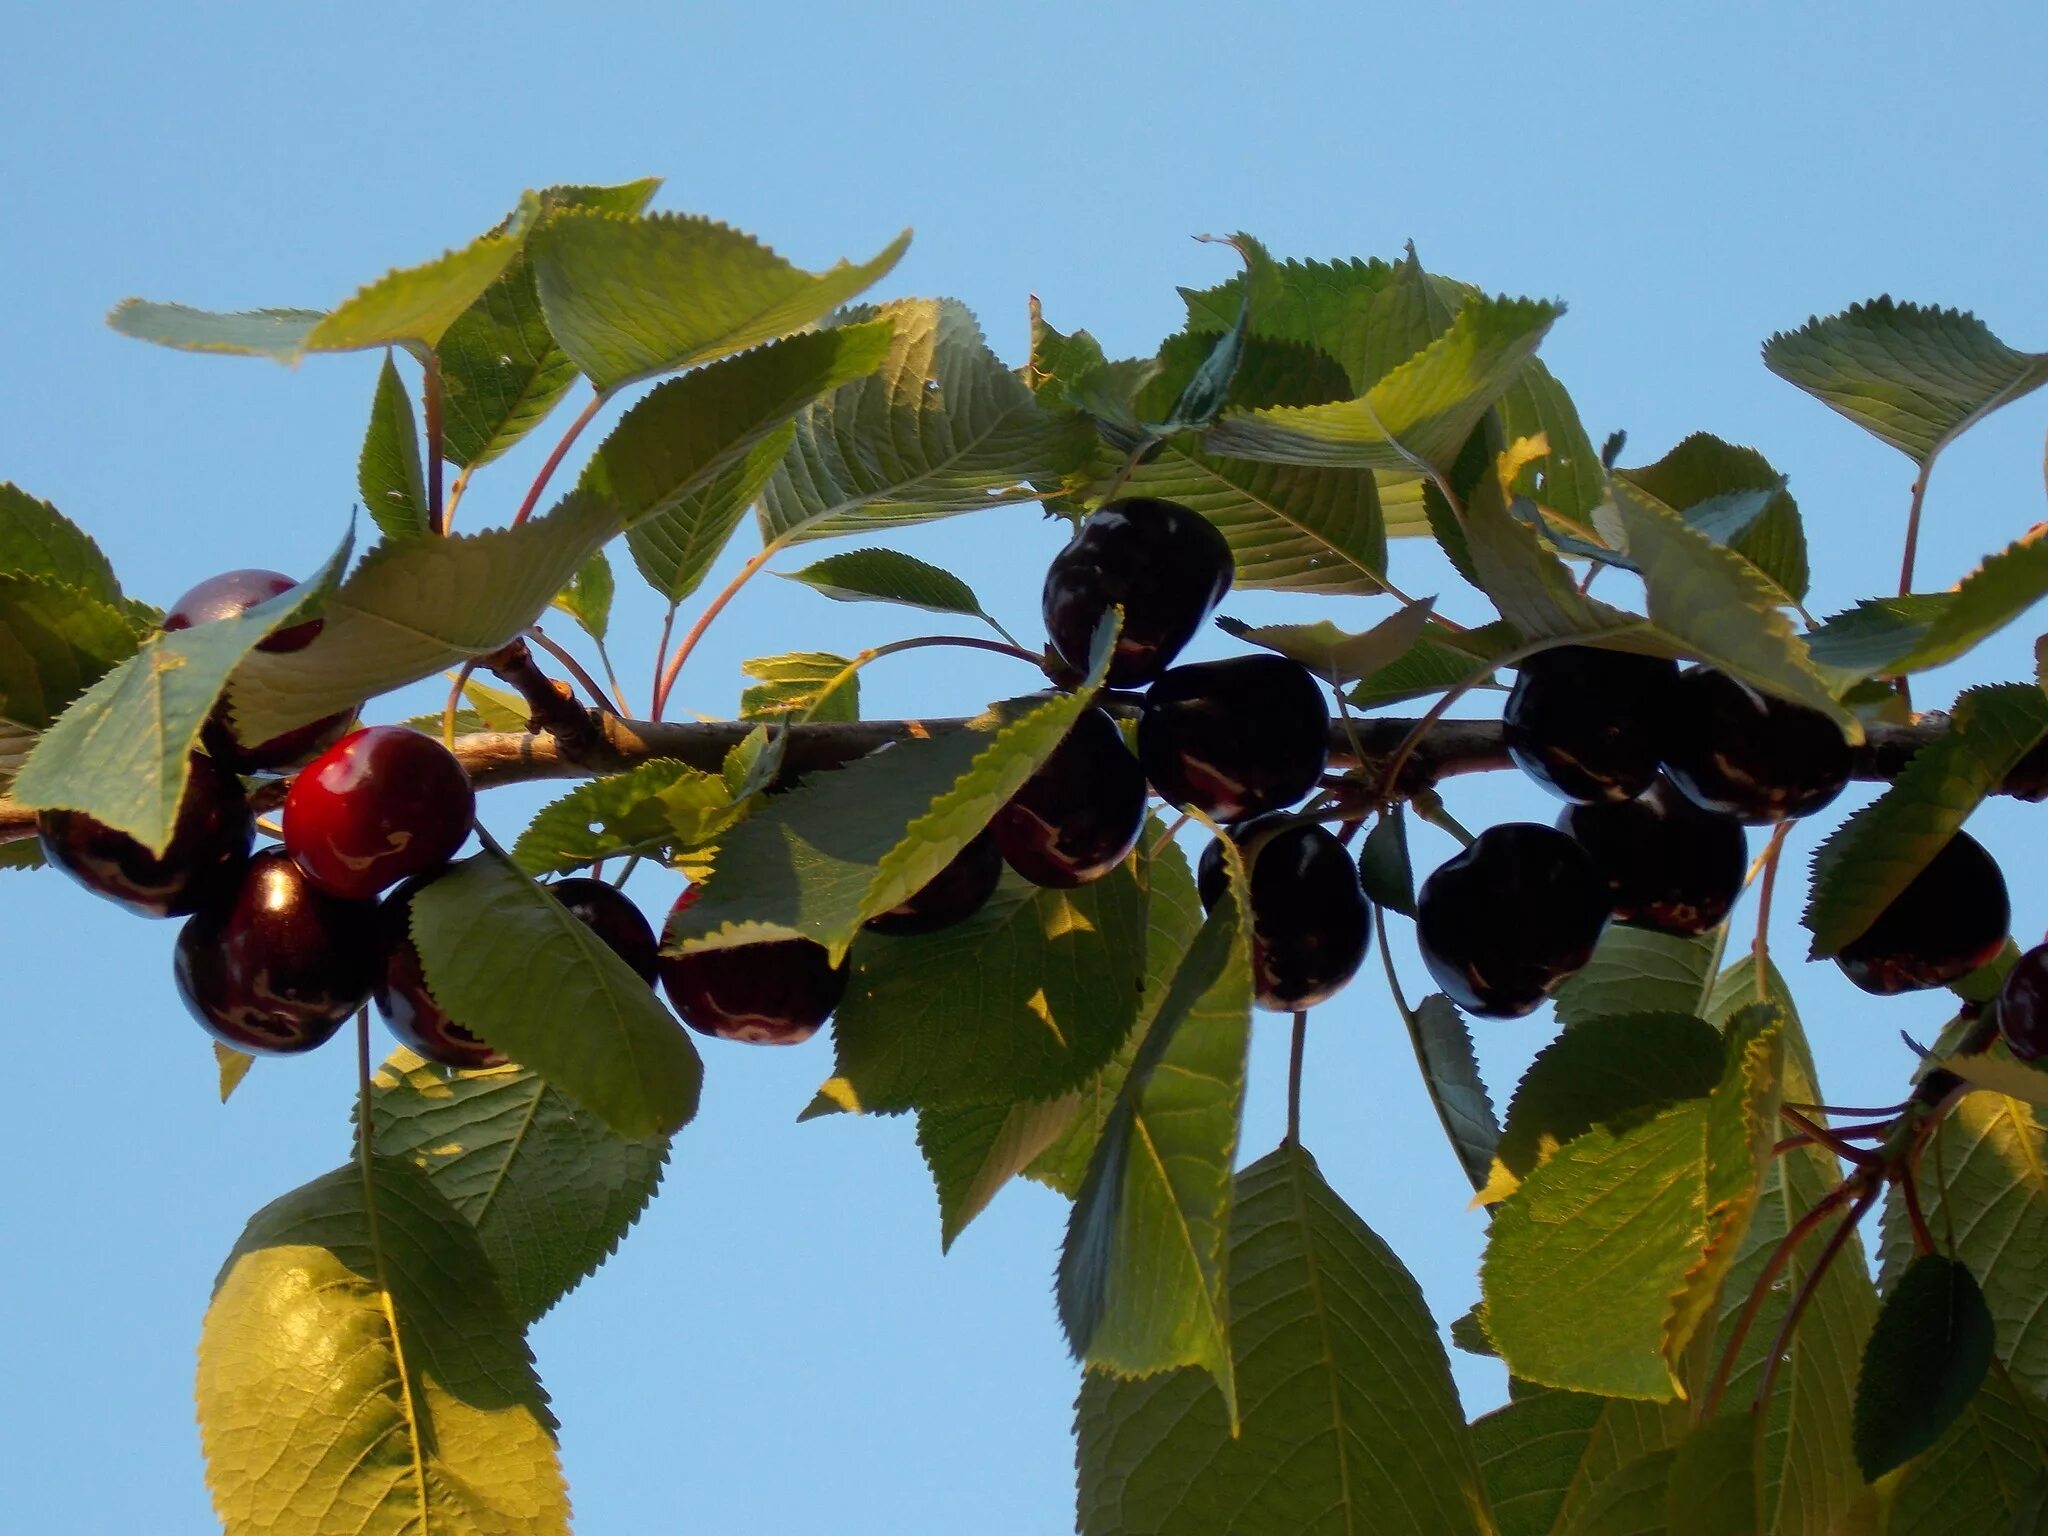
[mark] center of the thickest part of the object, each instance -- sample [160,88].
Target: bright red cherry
[1587,724]
[1166,564]
[775,993]
[1668,864]
[228,596]
[377,806]
[1750,755]
[1081,814]
[1505,923]
[1235,739]
[2023,1005]
[1310,922]
[281,965]
[209,845]
[1950,919]
[951,896]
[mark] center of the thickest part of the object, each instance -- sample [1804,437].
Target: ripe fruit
[1081,814]
[279,966]
[1168,566]
[228,596]
[1235,739]
[380,804]
[951,896]
[776,993]
[2023,1005]
[1503,924]
[1749,755]
[1951,918]
[1588,724]
[1310,922]
[209,844]
[614,917]
[1668,864]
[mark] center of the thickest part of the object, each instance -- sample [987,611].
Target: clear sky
[779,1346]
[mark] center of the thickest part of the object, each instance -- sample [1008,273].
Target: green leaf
[56,641]
[1141,1276]
[1984,1178]
[279,334]
[1453,1072]
[548,1188]
[1718,608]
[1912,376]
[393,484]
[885,576]
[1981,1476]
[1638,970]
[1206,391]
[357,1343]
[416,607]
[941,427]
[1058,361]
[1027,999]
[1432,665]
[1610,1073]
[643,810]
[1334,656]
[675,548]
[1350,1423]
[1551,1459]
[234,1066]
[496,709]
[824,857]
[974,1150]
[796,684]
[1384,867]
[1330,305]
[1924,1363]
[1703,478]
[38,540]
[1713,1488]
[687,432]
[1632,1502]
[121,752]
[1877,852]
[1601,1266]
[1995,1071]
[512,965]
[1868,638]
[1999,591]
[1567,480]
[1424,409]
[628,298]
[1513,564]
[588,597]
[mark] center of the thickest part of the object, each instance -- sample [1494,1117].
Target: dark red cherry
[209,845]
[776,993]
[1749,755]
[409,1011]
[951,896]
[1950,919]
[228,596]
[1081,814]
[1668,864]
[1235,739]
[614,917]
[2023,1005]
[1506,922]
[379,805]
[1167,565]
[279,966]
[1310,922]
[233,593]
[1588,724]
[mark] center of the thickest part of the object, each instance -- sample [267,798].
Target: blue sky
[780,1346]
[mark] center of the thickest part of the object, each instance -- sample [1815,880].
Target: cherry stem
[1297,1047]
[1430,807]
[1909,1188]
[713,609]
[668,624]
[1827,1138]
[554,460]
[454,703]
[598,696]
[1805,1294]
[430,398]
[1760,949]
[917,643]
[455,497]
[1850,1111]
[1906,563]
[1167,836]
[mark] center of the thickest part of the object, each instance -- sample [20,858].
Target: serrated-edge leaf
[650,806]
[974,1150]
[38,540]
[278,334]
[674,549]
[1333,655]
[1453,1070]
[888,576]
[388,472]
[234,1066]
[588,597]
[795,684]
[1384,866]
[1923,1364]
[56,641]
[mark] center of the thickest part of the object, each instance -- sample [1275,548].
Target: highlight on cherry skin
[1167,565]
[210,841]
[382,803]
[773,993]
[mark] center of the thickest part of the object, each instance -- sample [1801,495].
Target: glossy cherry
[1588,724]
[278,967]
[1237,738]
[209,845]
[776,993]
[1081,814]
[951,896]
[1310,922]
[2023,1005]
[1167,565]
[379,805]
[1750,755]
[1668,864]
[1506,922]
[228,596]
[1950,919]
[614,917]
